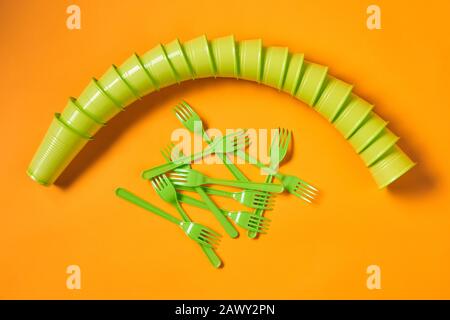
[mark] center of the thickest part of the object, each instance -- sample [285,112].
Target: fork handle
[196,203]
[269,187]
[158,170]
[212,256]
[211,191]
[226,224]
[209,252]
[127,195]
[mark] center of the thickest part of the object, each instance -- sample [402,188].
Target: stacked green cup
[138,78]
[200,58]
[293,73]
[333,98]
[392,166]
[275,66]
[117,88]
[225,56]
[178,60]
[80,121]
[250,60]
[60,145]
[157,64]
[96,102]
[172,63]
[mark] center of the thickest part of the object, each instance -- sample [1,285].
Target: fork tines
[209,237]
[305,191]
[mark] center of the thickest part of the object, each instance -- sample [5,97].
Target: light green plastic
[246,220]
[79,120]
[159,67]
[313,78]
[275,64]
[215,210]
[178,60]
[291,184]
[60,145]
[352,116]
[303,79]
[281,144]
[134,73]
[225,56]
[199,56]
[367,133]
[250,59]
[116,87]
[392,166]
[194,231]
[333,98]
[196,179]
[385,141]
[97,103]
[249,198]
[190,119]
[215,147]
[293,73]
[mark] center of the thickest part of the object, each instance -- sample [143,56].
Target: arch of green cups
[175,62]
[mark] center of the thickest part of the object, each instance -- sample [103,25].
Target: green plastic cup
[134,73]
[96,102]
[275,66]
[60,145]
[367,133]
[177,58]
[293,73]
[313,79]
[385,141]
[225,56]
[333,98]
[79,120]
[158,66]
[250,59]
[352,116]
[199,56]
[117,88]
[390,167]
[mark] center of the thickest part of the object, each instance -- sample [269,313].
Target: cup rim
[57,116]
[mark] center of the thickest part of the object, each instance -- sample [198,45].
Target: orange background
[311,251]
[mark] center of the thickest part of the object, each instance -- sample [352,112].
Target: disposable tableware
[246,220]
[193,178]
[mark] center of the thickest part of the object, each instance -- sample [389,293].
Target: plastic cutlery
[278,151]
[228,227]
[192,121]
[292,184]
[193,178]
[249,198]
[233,142]
[195,231]
[246,220]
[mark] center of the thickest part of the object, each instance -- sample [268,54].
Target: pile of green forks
[176,175]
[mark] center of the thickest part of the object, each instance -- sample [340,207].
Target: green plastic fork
[228,227]
[233,142]
[193,230]
[280,143]
[246,220]
[192,121]
[193,178]
[165,189]
[292,184]
[249,198]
